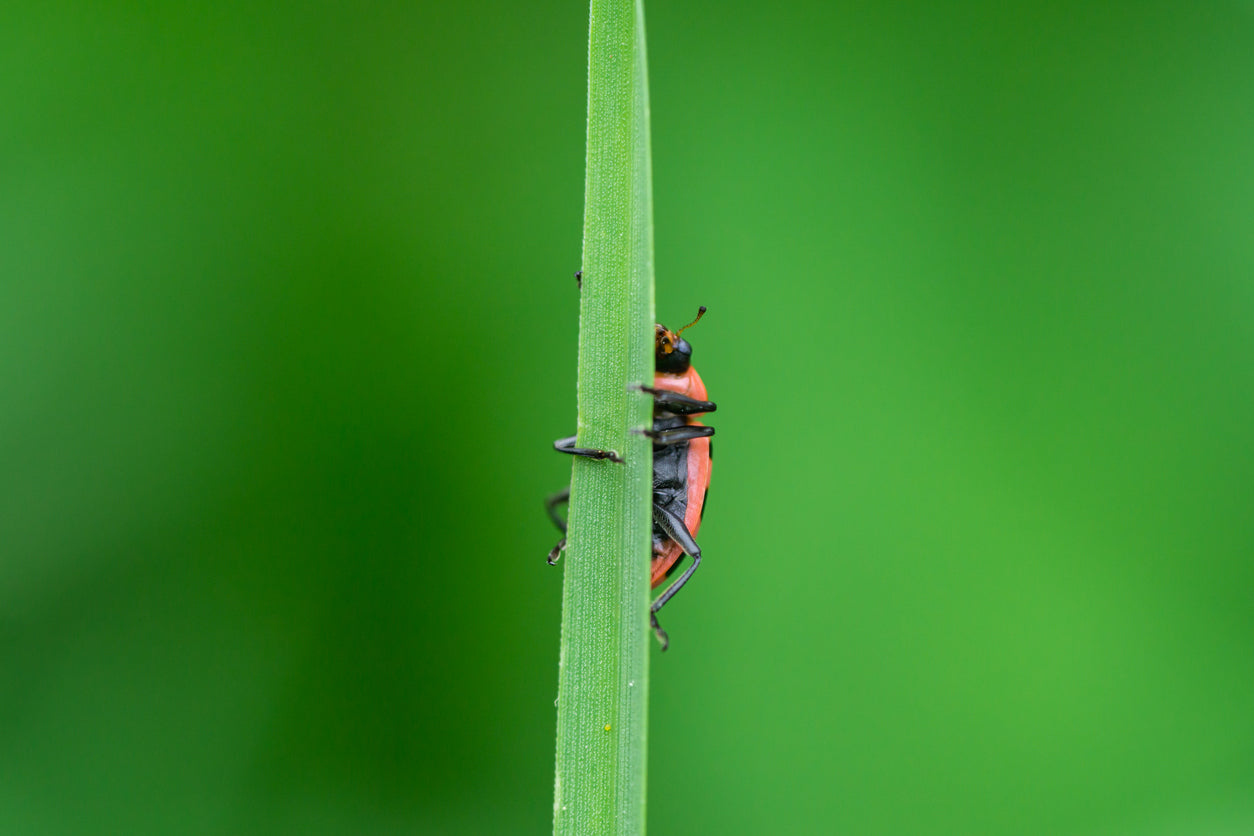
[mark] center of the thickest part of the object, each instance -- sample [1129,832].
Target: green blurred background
[287,324]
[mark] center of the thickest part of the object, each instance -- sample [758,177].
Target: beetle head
[674,353]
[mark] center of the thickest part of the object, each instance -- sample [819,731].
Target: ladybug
[681,465]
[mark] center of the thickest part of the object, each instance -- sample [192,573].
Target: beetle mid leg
[567,445]
[675,435]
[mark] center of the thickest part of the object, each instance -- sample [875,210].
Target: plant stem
[602,718]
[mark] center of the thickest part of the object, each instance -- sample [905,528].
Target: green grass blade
[602,718]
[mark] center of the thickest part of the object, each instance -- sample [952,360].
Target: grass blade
[602,719]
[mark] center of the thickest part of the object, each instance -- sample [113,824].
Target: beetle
[682,452]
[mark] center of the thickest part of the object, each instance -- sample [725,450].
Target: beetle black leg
[658,631]
[677,585]
[666,596]
[676,403]
[674,435]
[579,279]
[556,551]
[677,531]
[562,497]
[567,445]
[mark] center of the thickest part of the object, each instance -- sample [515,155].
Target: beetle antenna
[700,313]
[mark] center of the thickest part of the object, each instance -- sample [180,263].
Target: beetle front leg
[567,445]
[675,403]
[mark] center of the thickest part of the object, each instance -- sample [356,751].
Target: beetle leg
[556,551]
[666,596]
[560,498]
[674,528]
[676,403]
[550,505]
[677,585]
[658,631]
[674,435]
[567,445]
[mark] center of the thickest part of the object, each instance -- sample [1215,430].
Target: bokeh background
[287,323]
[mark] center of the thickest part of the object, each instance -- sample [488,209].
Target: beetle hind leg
[658,631]
[562,497]
[677,531]
[555,553]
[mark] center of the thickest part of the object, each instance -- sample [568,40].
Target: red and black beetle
[681,464]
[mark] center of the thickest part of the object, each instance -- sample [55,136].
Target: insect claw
[664,639]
